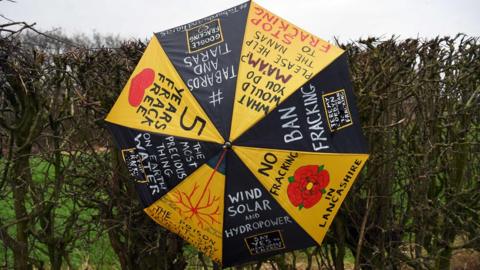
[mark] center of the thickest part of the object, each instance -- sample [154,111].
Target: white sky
[344,19]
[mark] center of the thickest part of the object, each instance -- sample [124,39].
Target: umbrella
[241,133]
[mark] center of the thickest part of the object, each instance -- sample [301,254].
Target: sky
[345,20]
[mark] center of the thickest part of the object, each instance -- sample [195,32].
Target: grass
[93,251]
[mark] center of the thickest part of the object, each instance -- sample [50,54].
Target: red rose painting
[307,185]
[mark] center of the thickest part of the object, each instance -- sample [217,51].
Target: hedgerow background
[66,201]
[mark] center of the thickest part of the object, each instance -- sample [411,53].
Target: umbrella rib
[211,176]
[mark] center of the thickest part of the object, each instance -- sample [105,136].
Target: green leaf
[291,179]
[320,168]
[323,191]
[300,207]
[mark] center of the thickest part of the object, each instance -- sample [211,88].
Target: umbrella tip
[227,145]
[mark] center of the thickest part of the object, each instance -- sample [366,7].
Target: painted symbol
[139,84]
[216,97]
[204,209]
[203,28]
[307,185]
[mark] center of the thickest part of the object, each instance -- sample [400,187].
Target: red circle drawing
[139,84]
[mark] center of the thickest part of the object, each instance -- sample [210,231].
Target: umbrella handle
[211,176]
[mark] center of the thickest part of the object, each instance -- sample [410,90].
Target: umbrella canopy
[241,132]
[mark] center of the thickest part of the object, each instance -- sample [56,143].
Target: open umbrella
[241,132]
